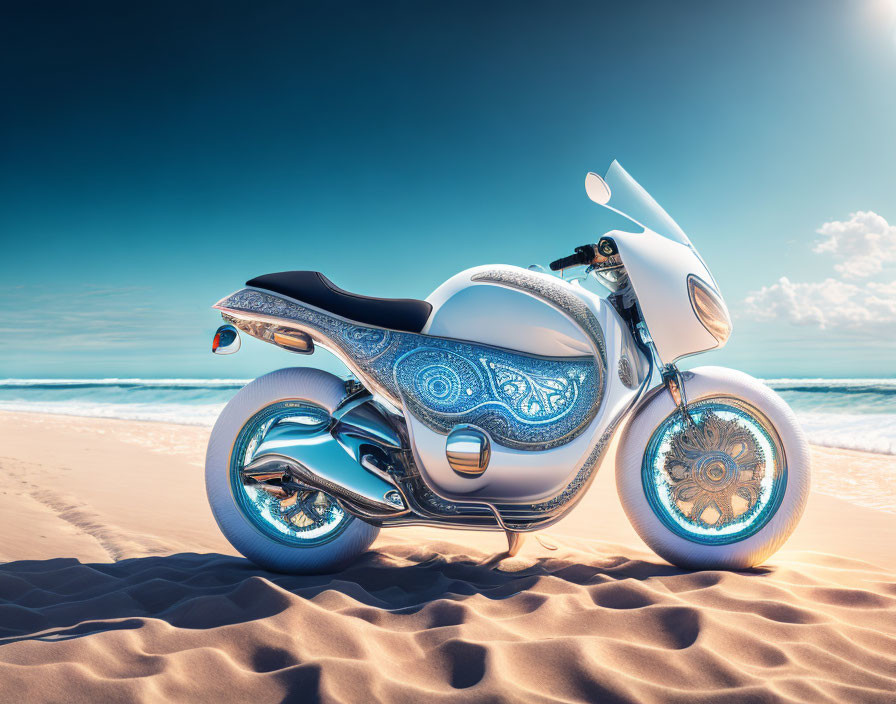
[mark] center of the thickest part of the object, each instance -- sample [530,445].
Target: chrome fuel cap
[468,450]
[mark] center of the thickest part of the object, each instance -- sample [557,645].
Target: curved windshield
[628,198]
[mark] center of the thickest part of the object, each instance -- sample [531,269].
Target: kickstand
[514,542]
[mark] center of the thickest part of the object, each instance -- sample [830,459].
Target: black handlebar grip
[583,255]
[571,260]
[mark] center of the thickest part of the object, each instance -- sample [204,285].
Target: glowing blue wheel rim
[720,480]
[301,518]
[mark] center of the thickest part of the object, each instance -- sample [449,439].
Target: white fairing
[497,315]
[659,268]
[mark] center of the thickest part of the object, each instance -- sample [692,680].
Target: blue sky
[156,157]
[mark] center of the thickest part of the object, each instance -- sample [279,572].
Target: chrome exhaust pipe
[336,462]
[379,499]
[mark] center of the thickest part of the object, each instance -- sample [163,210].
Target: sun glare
[882,13]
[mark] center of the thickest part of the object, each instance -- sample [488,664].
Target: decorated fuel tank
[483,305]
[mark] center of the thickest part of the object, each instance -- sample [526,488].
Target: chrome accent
[322,462]
[226,340]
[355,395]
[674,381]
[358,488]
[611,273]
[644,333]
[361,420]
[395,499]
[468,450]
[284,337]
[626,373]
[294,341]
[375,466]
[514,542]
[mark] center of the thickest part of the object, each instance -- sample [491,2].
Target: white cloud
[824,304]
[862,246]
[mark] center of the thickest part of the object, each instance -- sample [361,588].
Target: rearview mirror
[597,189]
[226,340]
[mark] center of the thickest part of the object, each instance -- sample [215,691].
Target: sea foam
[857,414]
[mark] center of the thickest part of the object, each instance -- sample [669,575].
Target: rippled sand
[118,587]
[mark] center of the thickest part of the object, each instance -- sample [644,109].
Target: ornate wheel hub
[306,508]
[271,498]
[716,480]
[298,505]
[715,469]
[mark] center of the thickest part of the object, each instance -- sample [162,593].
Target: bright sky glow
[157,156]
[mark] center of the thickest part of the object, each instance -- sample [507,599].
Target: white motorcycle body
[489,405]
[480,305]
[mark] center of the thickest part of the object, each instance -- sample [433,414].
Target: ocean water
[185,401]
[858,414]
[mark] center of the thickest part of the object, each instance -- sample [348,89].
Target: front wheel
[283,527]
[723,491]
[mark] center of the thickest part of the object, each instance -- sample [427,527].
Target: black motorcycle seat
[315,289]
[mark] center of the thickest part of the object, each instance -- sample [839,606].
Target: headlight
[710,309]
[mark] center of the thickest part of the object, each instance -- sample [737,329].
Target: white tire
[647,518]
[320,388]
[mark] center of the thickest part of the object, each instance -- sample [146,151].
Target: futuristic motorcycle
[491,405]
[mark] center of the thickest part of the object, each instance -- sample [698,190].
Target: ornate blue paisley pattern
[533,390]
[523,401]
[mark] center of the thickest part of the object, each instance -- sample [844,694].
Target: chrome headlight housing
[710,309]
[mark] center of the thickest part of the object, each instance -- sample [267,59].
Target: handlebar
[587,254]
[583,255]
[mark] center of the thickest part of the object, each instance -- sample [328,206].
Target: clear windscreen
[628,198]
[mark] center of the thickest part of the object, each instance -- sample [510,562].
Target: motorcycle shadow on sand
[63,598]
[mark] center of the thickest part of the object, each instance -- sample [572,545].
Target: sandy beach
[116,586]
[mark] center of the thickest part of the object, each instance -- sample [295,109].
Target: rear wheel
[724,489]
[272,518]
